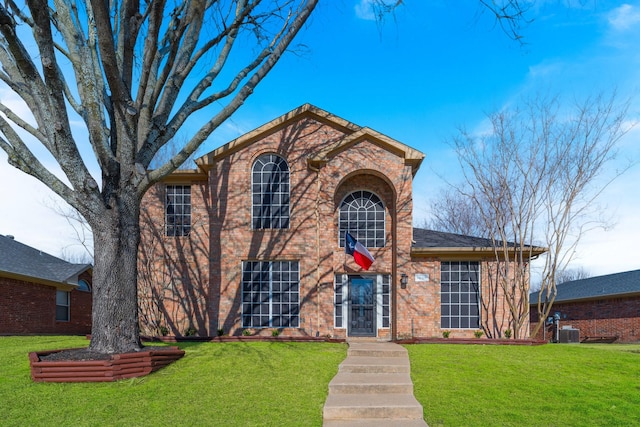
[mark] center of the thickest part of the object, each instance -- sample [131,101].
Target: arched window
[83,286]
[270,192]
[362,215]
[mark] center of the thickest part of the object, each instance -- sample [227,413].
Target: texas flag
[361,255]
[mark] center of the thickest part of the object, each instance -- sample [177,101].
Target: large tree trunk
[115,326]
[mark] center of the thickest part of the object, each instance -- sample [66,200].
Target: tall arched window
[270,192]
[362,215]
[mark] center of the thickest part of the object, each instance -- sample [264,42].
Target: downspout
[394,274]
[317,209]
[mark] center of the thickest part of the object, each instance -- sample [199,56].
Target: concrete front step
[375,406]
[381,365]
[368,383]
[380,422]
[377,350]
[373,388]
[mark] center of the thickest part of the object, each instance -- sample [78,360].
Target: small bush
[507,333]
[164,331]
[275,333]
[246,332]
[478,334]
[220,332]
[191,331]
[445,334]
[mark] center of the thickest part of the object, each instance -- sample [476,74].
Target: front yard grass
[549,385]
[286,384]
[230,384]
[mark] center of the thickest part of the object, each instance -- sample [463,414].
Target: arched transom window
[362,215]
[270,192]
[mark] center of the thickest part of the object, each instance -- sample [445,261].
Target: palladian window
[362,214]
[270,192]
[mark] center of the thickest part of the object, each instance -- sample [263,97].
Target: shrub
[478,334]
[246,332]
[164,331]
[220,332]
[275,333]
[507,333]
[445,334]
[191,331]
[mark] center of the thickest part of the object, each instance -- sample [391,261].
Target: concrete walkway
[373,388]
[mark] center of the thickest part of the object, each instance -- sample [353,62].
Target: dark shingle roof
[597,287]
[19,259]
[423,238]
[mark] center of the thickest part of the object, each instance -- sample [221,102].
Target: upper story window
[362,214]
[270,192]
[178,210]
[83,285]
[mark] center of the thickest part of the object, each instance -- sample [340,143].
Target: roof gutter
[470,251]
[58,285]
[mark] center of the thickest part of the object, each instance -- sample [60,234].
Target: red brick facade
[30,308]
[611,317]
[194,283]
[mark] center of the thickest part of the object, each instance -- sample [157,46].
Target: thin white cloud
[29,218]
[624,17]
[364,10]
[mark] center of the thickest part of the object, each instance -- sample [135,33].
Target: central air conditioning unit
[569,335]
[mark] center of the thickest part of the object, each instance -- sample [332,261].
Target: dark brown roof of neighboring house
[426,242]
[607,286]
[20,260]
[424,238]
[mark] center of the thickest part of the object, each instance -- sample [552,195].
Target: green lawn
[230,384]
[549,385]
[285,384]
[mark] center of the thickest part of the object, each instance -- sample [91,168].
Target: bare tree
[536,175]
[571,274]
[135,73]
[452,212]
[83,235]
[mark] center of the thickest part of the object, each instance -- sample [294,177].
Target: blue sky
[432,67]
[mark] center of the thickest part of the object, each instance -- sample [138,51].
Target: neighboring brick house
[253,239]
[599,307]
[42,294]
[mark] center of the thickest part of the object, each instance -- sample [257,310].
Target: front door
[362,312]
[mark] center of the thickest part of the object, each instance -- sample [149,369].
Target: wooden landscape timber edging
[117,367]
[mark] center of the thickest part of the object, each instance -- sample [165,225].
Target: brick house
[599,307]
[253,239]
[42,294]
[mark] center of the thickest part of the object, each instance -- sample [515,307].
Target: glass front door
[362,312]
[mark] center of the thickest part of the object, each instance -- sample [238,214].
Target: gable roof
[438,243]
[353,134]
[607,286]
[23,262]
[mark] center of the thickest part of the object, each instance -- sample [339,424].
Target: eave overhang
[590,298]
[207,161]
[40,281]
[411,156]
[185,176]
[353,134]
[471,252]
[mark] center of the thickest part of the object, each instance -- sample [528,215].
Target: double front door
[362,307]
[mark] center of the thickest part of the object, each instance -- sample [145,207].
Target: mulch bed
[475,341]
[78,354]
